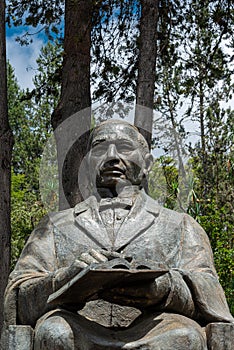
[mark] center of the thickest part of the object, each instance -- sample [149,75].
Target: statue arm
[175,294]
[198,271]
[167,292]
[36,275]
[192,289]
[31,281]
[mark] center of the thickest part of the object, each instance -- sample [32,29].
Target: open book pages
[97,277]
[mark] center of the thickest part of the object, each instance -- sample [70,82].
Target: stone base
[220,336]
[17,338]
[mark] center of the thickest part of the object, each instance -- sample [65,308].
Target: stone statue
[118,228]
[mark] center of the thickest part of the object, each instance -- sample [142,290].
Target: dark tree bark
[5,166]
[72,128]
[146,68]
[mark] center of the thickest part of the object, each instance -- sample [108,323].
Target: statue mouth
[113,171]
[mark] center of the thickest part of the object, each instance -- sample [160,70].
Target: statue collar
[141,216]
[128,197]
[125,199]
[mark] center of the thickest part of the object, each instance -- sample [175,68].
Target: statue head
[119,156]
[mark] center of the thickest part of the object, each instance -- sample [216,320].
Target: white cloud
[23,59]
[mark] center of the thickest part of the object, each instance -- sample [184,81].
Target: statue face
[118,156]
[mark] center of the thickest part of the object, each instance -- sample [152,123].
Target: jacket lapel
[87,218]
[142,215]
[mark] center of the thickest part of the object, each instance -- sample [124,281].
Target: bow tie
[117,202]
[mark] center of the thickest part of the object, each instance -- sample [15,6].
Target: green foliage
[26,211]
[214,213]
[18,184]
[214,209]
[29,129]
[163,182]
[194,78]
[30,122]
[47,80]
[25,206]
[213,206]
[219,225]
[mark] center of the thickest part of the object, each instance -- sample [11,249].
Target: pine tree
[5,170]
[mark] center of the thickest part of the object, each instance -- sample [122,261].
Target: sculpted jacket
[149,231]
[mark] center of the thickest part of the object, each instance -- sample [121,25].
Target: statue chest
[159,243]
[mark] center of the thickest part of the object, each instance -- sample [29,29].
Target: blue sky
[23,58]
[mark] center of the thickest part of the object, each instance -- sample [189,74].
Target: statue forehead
[116,131]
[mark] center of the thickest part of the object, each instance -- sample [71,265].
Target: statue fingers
[80,264]
[98,256]
[111,255]
[88,259]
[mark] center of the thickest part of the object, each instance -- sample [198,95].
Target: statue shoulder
[170,215]
[190,221]
[151,204]
[154,206]
[47,222]
[61,216]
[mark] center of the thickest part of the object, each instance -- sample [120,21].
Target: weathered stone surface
[18,338]
[220,336]
[119,316]
[118,222]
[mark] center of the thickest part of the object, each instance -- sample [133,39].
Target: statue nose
[112,152]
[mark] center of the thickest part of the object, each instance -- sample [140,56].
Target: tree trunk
[203,136]
[72,118]
[146,68]
[5,167]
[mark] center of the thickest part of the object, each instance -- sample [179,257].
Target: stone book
[92,280]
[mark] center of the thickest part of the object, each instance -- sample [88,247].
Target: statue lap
[62,329]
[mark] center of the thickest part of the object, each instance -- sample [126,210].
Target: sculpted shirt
[113,213]
[144,230]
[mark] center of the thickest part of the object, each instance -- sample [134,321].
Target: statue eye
[99,149]
[125,147]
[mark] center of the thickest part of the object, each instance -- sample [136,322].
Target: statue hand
[65,274]
[94,256]
[140,294]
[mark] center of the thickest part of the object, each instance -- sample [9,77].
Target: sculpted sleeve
[198,271]
[31,281]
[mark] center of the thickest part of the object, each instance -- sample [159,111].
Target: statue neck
[126,191]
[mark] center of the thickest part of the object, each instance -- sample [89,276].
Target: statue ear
[148,163]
